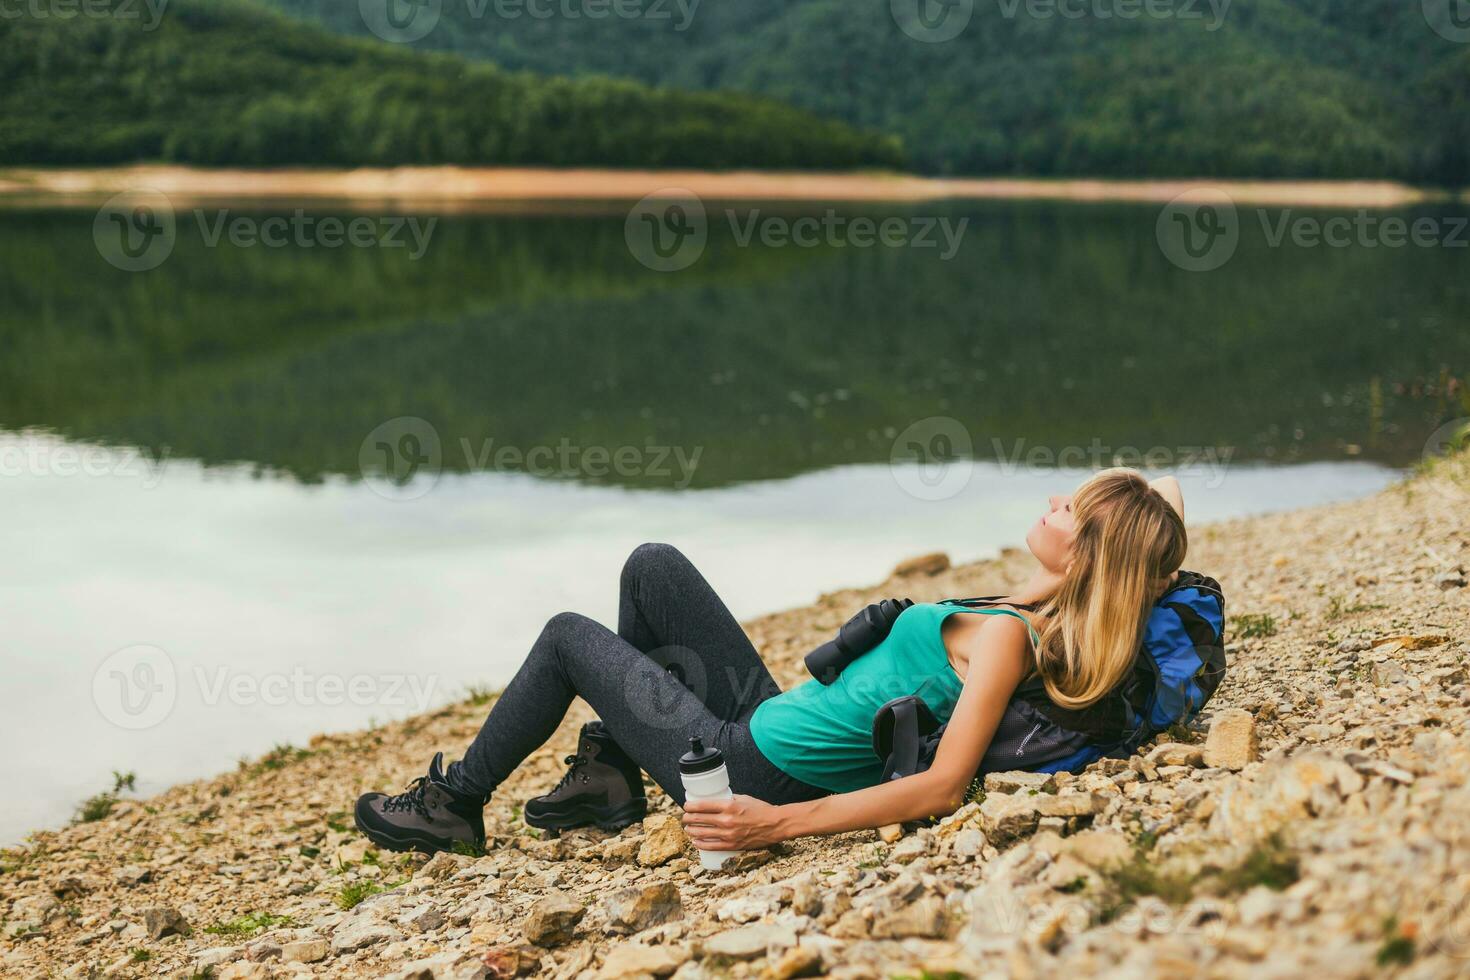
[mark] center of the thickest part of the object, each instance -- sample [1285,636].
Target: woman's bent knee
[650,556]
[565,624]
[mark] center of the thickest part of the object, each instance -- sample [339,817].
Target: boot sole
[611,820]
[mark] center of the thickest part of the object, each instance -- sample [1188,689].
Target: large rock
[663,840]
[1232,740]
[552,921]
[750,942]
[634,909]
[923,919]
[305,951]
[634,960]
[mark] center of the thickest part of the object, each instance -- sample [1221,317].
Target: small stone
[798,961]
[1020,782]
[1098,848]
[352,852]
[1005,818]
[361,931]
[634,909]
[749,942]
[1177,754]
[663,840]
[912,848]
[889,833]
[1450,581]
[1231,743]
[620,850]
[443,865]
[923,919]
[553,920]
[73,886]
[930,564]
[425,918]
[132,875]
[210,958]
[164,920]
[968,844]
[305,951]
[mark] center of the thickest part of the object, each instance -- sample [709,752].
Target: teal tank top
[823,734]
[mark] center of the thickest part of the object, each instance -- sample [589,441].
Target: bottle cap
[700,759]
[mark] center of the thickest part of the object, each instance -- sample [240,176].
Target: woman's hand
[741,823]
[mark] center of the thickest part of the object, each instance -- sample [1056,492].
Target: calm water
[198,569]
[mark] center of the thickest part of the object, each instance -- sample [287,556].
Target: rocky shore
[1316,822]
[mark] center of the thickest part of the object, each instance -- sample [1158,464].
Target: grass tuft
[95,808]
[1270,863]
[1252,625]
[250,924]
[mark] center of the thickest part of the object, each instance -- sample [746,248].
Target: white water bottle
[705,777]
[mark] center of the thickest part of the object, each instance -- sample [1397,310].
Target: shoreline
[1348,653]
[451,189]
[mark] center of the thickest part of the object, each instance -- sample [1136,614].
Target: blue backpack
[1179,666]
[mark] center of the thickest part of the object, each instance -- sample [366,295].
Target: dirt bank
[455,189]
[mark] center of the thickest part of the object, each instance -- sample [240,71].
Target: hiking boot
[602,786]
[429,817]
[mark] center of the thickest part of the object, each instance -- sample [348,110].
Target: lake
[271,485]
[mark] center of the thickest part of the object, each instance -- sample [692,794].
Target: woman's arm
[1168,488]
[998,660]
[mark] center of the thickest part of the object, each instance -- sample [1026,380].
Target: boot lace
[575,764]
[413,799]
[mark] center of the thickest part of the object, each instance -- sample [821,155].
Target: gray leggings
[678,666]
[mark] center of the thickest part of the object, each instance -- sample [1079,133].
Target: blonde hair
[1128,543]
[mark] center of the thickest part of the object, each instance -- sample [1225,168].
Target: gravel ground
[1315,821]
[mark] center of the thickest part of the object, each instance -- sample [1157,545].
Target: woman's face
[1050,538]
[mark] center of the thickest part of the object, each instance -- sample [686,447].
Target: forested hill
[1243,88]
[223,82]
